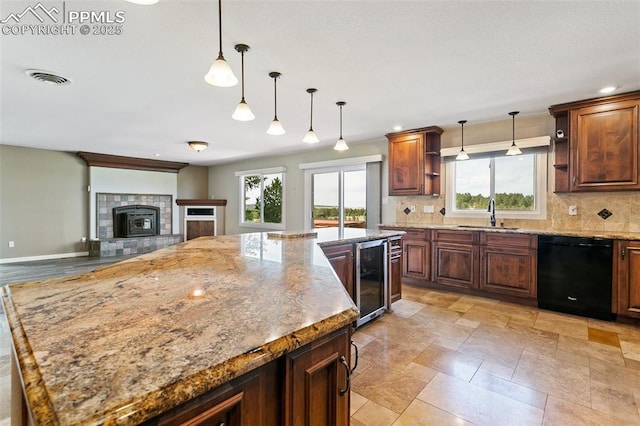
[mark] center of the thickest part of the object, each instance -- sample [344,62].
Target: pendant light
[311,136]
[242,112]
[220,74]
[341,145]
[275,128]
[513,149]
[462,155]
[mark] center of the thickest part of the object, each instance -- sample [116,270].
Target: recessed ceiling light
[156,155]
[608,89]
[48,77]
[397,128]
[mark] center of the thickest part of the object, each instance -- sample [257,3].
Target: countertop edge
[31,379]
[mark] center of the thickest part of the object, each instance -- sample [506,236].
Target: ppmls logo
[57,20]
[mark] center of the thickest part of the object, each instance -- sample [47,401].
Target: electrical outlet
[12,244]
[573,210]
[83,239]
[427,209]
[412,208]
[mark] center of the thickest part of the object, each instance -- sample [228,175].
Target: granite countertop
[616,235]
[133,339]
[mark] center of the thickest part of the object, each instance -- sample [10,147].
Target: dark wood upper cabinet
[414,162]
[599,149]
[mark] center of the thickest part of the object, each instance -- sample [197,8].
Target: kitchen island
[131,341]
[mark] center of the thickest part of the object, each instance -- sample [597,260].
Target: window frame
[540,190]
[241,204]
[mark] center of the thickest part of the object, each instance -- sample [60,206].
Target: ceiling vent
[47,77]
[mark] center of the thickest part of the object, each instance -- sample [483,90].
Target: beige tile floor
[447,359]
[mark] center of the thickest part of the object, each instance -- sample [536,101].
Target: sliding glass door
[338,197]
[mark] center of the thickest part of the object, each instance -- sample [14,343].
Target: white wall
[224,184]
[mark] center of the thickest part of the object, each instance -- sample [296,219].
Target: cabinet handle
[355,366]
[575,179]
[623,252]
[343,361]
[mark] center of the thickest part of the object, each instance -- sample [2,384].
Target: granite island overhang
[126,342]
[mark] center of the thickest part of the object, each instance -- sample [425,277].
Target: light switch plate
[573,210]
[413,208]
[427,209]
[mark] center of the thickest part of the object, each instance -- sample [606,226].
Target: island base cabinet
[341,259]
[318,381]
[309,386]
[251,399]
[628,278]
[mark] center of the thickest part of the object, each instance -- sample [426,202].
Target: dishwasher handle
[594,244]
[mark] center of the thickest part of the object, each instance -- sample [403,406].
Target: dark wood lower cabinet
[341,259]
[200,228]
[416,259]
[455,265]
[395,268]
[317,386]
[309,386]
[508,264]
[627,271]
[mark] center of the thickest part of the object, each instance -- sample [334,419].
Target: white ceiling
[409,63]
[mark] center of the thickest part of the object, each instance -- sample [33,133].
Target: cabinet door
[252,399]
[628,278]
[508,270]
[416,259]
[406,164]
[317,382]
[200,228]
[604,147]
[455,265]
[396,278]
[341,259]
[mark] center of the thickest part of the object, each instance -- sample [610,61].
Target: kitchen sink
[485,227]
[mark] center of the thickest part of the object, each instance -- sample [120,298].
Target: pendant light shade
[341,145]
[220,73]
[513,149]
[311,136]
[276,127]
[242,112]
[462,155]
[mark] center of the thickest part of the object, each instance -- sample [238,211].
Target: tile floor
[447,359]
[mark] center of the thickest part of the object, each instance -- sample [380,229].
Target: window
[518,184]
[262,198]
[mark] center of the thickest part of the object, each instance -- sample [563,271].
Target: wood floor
[442,358]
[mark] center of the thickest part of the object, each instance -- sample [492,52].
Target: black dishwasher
[575,275]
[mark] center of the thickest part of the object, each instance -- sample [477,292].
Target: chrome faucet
[492,210]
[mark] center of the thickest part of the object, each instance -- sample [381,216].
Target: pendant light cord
[220,27]
[275,99]
[462,135]
[311,120]
[340,121]
[242,59]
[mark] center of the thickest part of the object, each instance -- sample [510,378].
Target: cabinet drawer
[508,239]
[454,236]
[414,234]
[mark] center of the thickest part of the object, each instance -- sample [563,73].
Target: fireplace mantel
[131,163]
[201,202]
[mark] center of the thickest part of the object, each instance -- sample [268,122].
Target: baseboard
[44,257]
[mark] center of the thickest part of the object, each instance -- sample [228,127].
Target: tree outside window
[262,201]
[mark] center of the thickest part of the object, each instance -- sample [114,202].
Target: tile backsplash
[623,206]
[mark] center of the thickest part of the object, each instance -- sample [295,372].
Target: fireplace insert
[136,221]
